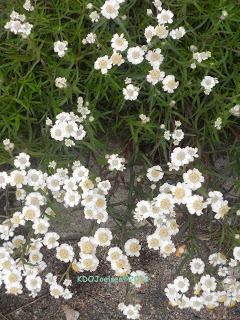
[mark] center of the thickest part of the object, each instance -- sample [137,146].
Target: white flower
[201,56]
[149,33]
[165,17]
[196,205]
[181,284]
[65,253]
[177,33]
[28,6]
[22,161]
[33,283]
[87,245]
[218,123]
[208,83]
[114,253]
[103,237]
[61,82]
[118,42]
[31,213]
[236,253]
[197,266]
[170,84]
[130,92]
[154,241]
[60,47]
[138,278]
[154,57]
[4,180]
[161,31]
[135,55]
[72,198]
[103,64]
[181,193]
[208,283]
[155,173]
[193,178]
[89,262]
[155,76]
[110,9]
[56,290]
[132,248]
[130,311]
[116,59]
[17,178]
[50,240]
[94,16]
[235,111]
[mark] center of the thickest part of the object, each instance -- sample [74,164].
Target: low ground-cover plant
[141,76]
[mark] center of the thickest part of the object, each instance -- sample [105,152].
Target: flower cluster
[208,292]
[138,54]
[176,136]
[18,24]
[68,128]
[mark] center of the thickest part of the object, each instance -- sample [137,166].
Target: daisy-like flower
[4,180]
[103,237]
[119,43]
[170,84]
[155,76]
[87,245]
[235,111]
[161,31]
[56,290]
[165,17]
[208,283]
[61,82]
[236,253]
[208,83]
[135,55]
[65,253]
[22,161]
[130,311]
[193,178]
[196,205]
[114,254]
[130,92]
[89,262]
[103,64]
[154,57]
[149,33]
[110,9]
[167,248]
[31,213]
[50,240]
[181,192]
[60,47]
[165,203]
[181,284]
[18,178]
[197,266]
[178,33]
[116,163]
[116,59]
[154,241]
[132,248]
[155,173]
[138,278]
